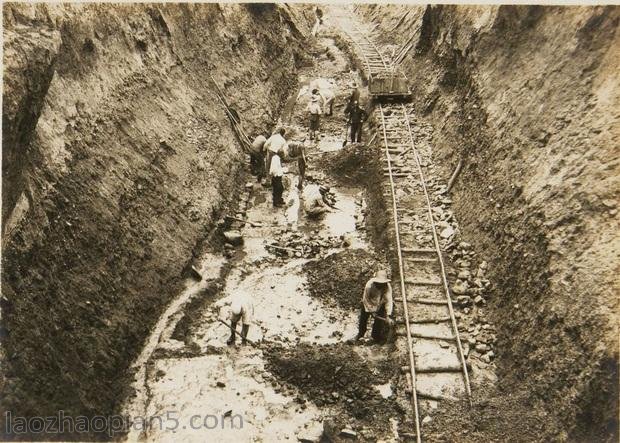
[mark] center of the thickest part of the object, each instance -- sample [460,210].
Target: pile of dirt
[336,375]
[355,164]
[339,279]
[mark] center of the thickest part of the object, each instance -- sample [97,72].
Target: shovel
[389,337]
[346,133]
[236,333]
[252,224]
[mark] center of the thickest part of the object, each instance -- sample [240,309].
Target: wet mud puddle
[229,386]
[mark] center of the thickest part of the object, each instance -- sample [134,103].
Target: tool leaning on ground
[253,343]
[391,332]
[346,133]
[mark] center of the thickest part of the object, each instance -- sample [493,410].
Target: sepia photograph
[310,222]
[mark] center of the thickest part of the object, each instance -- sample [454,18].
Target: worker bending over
[376,301]
[276,172]
[239,307]
[257,161]
[315,203]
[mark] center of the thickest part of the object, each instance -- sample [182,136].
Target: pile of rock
[470,291]
[297,244]
[470,286]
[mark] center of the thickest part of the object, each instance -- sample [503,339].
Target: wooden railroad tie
[431,369]
[423,301]
[426,336]
[411,281]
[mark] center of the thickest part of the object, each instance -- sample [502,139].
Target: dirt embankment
[117,158]
[527,96]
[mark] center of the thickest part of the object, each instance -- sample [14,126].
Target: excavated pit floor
[229,385]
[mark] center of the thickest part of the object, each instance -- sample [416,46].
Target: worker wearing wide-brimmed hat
[376,301]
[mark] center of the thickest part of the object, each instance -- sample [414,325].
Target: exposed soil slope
[527,96]
[107,194]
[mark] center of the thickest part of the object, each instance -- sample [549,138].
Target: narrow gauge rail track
[424,290]
[427,311]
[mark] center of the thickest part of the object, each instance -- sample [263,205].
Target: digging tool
[346,134]
[236,333]
[252,224]
[391,333]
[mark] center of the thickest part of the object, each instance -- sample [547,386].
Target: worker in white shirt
[239,307]
[275,143]
[276,173]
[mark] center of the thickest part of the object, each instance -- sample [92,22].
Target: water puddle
[385,390]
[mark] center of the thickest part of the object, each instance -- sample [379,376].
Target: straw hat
[380,277]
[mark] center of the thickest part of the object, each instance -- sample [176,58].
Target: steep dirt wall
[527,96]
[117,159]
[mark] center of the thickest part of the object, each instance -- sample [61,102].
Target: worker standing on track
[257,160]
[357,116]
[239,307]
[275,143]
[276,172]
[315,110]
[376,301]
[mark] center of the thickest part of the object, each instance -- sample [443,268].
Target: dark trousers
[277,188]
[301,164]
[257,165]
[379,327]
[356,132]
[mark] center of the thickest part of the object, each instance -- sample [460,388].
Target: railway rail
[430,325]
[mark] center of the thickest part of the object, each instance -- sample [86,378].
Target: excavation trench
[302,380]
[120,171]
[301,323]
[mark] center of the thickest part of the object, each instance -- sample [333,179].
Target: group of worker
[376,302]
[356,115]
[267,153]
[266,159]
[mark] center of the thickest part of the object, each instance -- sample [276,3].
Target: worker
[257,162]
[356,116]
[276,173]
[355,93]
[376,301]
[239,306]
[274,144]
[329,95]
[319,21]
[315,110]
[314,199]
